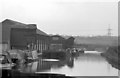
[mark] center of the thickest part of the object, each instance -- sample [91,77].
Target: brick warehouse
[16,35]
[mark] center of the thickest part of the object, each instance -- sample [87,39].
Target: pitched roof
[38,31]
[15,24]
[58,36]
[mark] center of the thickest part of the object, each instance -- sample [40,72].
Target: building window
[55,38]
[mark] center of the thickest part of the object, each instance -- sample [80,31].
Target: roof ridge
[18,24]
[13,22]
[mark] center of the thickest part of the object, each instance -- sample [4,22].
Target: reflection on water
[88,64]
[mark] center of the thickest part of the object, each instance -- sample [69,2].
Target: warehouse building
[16,35]
[59,43]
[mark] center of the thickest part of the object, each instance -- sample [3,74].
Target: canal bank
[112,56]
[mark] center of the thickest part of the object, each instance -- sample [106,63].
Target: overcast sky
[68,17]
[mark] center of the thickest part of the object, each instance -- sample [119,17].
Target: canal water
[91,63]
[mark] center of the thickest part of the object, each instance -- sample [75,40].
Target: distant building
[59,43]
[69,43]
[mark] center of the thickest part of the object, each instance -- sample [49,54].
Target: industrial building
[58,42]
[16,35]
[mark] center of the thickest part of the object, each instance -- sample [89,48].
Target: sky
[65,17]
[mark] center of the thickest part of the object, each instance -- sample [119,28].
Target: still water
[91,63]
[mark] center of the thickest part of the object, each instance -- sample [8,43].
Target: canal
[91,63]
